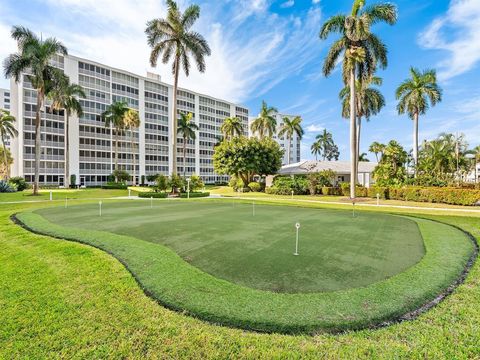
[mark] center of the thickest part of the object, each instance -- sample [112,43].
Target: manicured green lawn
[61,299]
[181,286]
[229,241]
[61,194]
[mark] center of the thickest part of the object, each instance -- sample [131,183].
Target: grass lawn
[61,194]
[373,261]
[61,299]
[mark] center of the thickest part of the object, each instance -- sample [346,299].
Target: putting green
[217,261]
[230,241]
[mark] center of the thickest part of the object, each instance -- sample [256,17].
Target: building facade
[295,142]
[91,143]
[5,105]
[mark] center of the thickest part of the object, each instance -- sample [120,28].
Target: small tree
[175,182]
[161,183]
[121,176]
[196,183]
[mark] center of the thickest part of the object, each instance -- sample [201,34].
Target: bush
[284,185]
[196,183]
[360,191]
[330,190]
[235,183]
[73,180]
[121,176]
[5,187]
[155,195]
[195,195]
[255,186]
[176,182]
[19,183]
[114,185]
[382,191]
[161,183]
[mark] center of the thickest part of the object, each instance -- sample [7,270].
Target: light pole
[297,227]
[188,187]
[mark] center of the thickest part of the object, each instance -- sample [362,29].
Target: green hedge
[112,186]
[195,195]
[441,195]
[155,195]
[329,190]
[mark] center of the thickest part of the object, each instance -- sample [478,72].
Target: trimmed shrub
[73,180]
[114,185]
[155,195]
[360,191]
[195,195]
[374,190]
[330,190]
[255,186]
[19,183]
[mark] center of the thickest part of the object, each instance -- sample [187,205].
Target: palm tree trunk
[289,144]
[116,154]
[174,118]
[38,143]
[134,160]
[184,156]
[415,142]
[359,128]
[7,170]
[66,181]
[353,137]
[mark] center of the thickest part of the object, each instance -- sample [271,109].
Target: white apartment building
[283,141]
[92,144]
[5,104]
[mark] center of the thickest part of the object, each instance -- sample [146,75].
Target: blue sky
[269,50]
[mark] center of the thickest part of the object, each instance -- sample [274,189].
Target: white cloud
[315,2]
[457,33]
[288,4]
[315,128]
[251,52]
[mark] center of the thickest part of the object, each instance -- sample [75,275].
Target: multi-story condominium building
[92,144]
[283,141]
[5,104]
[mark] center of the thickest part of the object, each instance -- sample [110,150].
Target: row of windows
[185,94]
[130,102]
[156,169]
[156,127]
[93,68]
[45,123]
[156,158]
[93,82]
[124,88]
[44,137]
[93,105]
[45,151]
[156,118]
[94,166]
[124,78]
[153,96]
[156,138]
[95,142]
[158,88]
[50,165]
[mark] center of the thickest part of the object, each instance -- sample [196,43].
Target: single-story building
[340,168]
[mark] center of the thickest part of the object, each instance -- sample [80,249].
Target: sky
[270,50]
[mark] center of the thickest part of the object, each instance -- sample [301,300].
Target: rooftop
[311,166]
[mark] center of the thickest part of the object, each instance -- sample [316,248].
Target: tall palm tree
[369,102]
[325,140]
[231,127]
[33,58]
[7,129]
[362,52]
[377,148]
[415,95]
[266,123]
[114,117]
[173,36]
[363,157]
[132,122]
[64,95]
[289,128]
[316,149]
[186,128]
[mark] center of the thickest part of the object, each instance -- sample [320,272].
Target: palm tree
[7,129]
[325,140]
[362,52]
[33,57]
[114,117]
[65,96]
[369,101]
[316,149]
[289,128]
[363,157]
[231,127]
[266,123]
[187,128]
[173,36]
[415,95]
[132,122]
[377,148]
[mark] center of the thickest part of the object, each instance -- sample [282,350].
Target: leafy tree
[7,129]
[377,148]
[121,176]
[231,127]
[175,182]
[7,161]
[33,57]
[186,128]
[64,95]
[289,128]
[173,36]
[266,123]
[391,168]
[196,183]
[415,95]
[369,102]
[131,121]
[245,157]
[161,183]
[362,52]
[114,117]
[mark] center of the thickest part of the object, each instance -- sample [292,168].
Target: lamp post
[297,227]
[188,187]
